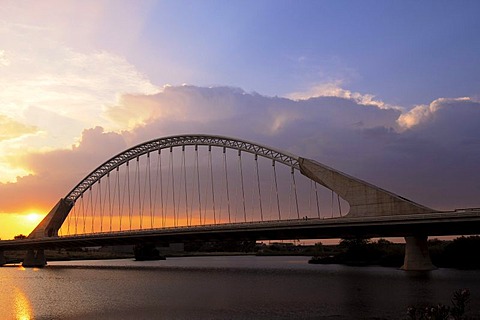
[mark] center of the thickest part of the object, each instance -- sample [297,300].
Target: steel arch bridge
[144,179]
[199,187]
[191,187]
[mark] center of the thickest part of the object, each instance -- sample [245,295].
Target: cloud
[3,59]
[430,162]
[56,172]
[56,89]
[184,103]
[334,89]
[437,110]
[433,161]
[10,128]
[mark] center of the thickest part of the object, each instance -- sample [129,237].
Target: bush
[460,300]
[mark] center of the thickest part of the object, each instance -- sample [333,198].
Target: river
[234,287]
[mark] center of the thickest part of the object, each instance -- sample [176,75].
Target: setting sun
[13,224]
[34,217]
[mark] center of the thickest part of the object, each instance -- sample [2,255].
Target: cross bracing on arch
[175,141]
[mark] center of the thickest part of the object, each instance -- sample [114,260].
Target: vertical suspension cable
[173,187]
[110,210]
[205,208]
[91,206]
[258,186]
[211,182]
[193,195]
[226,183]
[241,183]
[136,184]
[79,214]
[253,199]
[185,184]
[117,182]
[129,199]
[276,188]
[74,215]
[145,184]
[111,200]
[198,186]
[105,198]
[169,180]
[295,192]
[121,200]
[83,214]
[162,198]
[150,190]
[178,210]
[69,217]
[101,204]
[270,201]
[159,183]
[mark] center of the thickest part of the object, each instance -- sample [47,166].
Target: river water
[235,287]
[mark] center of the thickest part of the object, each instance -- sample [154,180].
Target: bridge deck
[460,222]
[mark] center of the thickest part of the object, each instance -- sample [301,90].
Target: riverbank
[459,253]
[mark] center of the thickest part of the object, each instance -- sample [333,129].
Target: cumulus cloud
[334,89]
[432,161]
[184,103]
[427,113]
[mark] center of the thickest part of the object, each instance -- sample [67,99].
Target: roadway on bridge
[460,222]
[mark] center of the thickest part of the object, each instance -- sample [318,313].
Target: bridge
[201,187]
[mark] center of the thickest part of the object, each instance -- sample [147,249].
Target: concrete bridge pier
[417,257]
[3,260]
[34,259]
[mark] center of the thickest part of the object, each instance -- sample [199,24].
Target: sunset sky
[387,91]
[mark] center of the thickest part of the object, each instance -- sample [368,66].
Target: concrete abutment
[3,260]
[417,257]
[35,259]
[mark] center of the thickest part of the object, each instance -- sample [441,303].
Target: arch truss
[175,141]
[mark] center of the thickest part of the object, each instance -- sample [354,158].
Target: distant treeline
[461,253]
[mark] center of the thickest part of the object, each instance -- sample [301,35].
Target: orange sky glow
[82,81]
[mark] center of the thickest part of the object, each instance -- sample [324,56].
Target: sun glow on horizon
[13,224]
[34,217]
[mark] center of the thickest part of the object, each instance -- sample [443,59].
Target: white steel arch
[176,141]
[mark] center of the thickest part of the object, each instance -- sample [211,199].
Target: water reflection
[22,306]
[237,287]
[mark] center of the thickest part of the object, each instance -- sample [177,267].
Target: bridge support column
[417,257]
[3,260]
[35,259]
[147,251]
